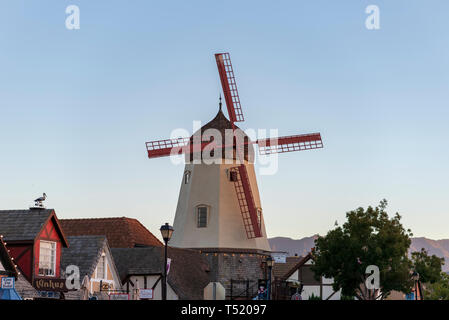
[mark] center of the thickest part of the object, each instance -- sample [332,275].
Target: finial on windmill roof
[219,104]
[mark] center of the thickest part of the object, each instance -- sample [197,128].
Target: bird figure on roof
[38,201]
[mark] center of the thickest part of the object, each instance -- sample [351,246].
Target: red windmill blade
[229,87]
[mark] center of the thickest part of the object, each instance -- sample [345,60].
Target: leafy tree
[428,267]
[438,290]
[368,237]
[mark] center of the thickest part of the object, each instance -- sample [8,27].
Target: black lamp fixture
[269,261]
[166,232]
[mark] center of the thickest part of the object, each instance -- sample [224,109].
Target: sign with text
[118,296]
[48,284]
[7,283]
[146,293]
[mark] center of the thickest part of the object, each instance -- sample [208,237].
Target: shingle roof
[281,269]
[188,269]
[224,127]
[84,252]
[24,288]
[23,224]
[121,232]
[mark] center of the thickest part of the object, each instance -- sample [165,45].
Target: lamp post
[415,278]
[270,263]
[166,232]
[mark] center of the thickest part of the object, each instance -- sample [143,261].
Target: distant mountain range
[300,247]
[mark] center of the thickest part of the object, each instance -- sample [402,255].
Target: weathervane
[38,203]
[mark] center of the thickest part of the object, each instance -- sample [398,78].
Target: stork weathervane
[243,191]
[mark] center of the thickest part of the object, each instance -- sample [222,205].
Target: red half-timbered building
[35,241]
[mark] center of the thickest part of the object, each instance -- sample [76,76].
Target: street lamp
[415,278]
[270,263]
[166,232]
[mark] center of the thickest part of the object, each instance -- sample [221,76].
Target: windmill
[245,185]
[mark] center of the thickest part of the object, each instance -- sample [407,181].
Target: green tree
[438,290]
[368,237]
[428,267]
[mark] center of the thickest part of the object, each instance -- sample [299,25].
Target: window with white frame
[101,268]
[186,177]
[202,215]
[47,258]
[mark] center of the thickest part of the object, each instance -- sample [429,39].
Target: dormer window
[202,213]
[47,258]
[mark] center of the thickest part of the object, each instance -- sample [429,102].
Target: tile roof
[23,224]
[84,252]
[189,270]
[281,269]
[121,232]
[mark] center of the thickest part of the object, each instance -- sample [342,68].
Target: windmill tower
[219,210]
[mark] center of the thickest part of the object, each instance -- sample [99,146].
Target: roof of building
[224,127]
[6,261]
[296,266]
[84,252]
[24,288]
[26,225]
[281,269]
[189,270]
[121,232]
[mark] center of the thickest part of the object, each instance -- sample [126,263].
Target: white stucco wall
[209,185]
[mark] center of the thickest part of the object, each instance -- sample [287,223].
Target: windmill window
[202,215]
[186,177]
[232,176]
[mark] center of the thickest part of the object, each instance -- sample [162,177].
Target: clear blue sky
[76,107]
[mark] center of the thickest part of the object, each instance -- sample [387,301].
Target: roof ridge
[140,223]
[99,218]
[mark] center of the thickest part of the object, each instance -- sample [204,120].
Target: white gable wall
[139,283]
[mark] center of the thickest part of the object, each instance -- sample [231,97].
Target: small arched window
[186,177]
[202,215]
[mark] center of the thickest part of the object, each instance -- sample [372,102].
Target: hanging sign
[7,283]
[48,284]
[118,296]
[168,265]
[146,293]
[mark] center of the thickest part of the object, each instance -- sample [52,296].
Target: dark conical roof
[224,127]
